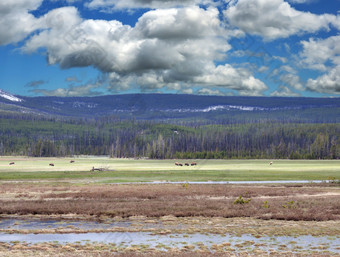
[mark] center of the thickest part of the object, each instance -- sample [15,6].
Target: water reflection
[162,242]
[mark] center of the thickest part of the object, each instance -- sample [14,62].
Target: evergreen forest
[31,135]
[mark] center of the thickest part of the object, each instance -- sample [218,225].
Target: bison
[11,163]
[270,163]
[186,164]
[72,161]
[193,164]
[97,169]
[51,164]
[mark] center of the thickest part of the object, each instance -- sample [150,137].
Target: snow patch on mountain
[213,108]
[226,108]
[9,96]
[83,104]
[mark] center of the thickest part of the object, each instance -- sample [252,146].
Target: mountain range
[176,107]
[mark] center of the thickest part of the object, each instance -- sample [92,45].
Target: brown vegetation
[197,254]
[99,250]
[267,202]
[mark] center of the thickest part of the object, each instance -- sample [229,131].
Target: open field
[129,170]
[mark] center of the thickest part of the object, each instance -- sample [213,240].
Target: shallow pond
[213,242]
[18,224]
[36,224]
[195,241]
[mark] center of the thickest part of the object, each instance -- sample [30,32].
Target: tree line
[156,140]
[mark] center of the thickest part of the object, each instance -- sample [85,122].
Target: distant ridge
[178,106]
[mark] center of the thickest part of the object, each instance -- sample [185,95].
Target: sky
[206,47]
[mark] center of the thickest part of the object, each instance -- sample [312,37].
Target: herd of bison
[186,164]
[176,163]
[51,164]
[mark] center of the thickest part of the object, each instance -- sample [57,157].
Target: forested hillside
[170,126]
[34,136]
[175,108]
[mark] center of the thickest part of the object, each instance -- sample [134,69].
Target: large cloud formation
[175,45]
[171,48]
[274,19]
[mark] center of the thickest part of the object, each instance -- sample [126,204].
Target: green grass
[124,170]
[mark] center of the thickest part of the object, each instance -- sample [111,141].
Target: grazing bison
[51,164]
[180,164]
[186,164]
[193,164]
[97,169]
[176,163]
[72,161]
[11,163]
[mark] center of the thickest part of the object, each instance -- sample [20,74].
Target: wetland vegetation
[70,199]
[312,202]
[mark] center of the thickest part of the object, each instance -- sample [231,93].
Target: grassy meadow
[130,170]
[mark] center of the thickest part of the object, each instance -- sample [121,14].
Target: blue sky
[208,47]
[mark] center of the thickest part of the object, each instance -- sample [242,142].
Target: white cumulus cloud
[274,19]
[111,5]
[283,91]
[229,77]
[16,23]
[316,52]
[71,91]
[170,48]
[208,91]
[327,83]
[323,55]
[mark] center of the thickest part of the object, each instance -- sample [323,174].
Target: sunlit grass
[129,170]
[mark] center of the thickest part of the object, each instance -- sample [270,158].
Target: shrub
[290,205]
[240,200]
[265,204]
